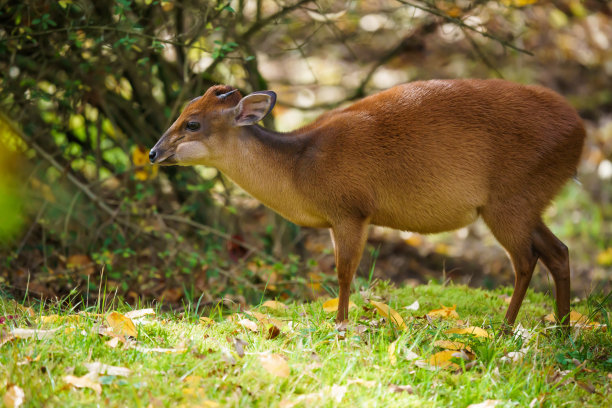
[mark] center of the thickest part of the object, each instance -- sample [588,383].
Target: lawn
[294,355]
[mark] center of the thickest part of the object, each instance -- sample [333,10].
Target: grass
[324,363]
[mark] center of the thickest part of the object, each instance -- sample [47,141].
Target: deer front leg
[349,237]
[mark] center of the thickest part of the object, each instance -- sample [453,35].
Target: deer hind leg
[349,239]
[555,256]
[514,232]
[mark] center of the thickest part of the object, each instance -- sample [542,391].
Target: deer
[425,156]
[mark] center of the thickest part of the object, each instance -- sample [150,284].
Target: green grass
[211,372]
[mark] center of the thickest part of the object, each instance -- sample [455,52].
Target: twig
[460,23]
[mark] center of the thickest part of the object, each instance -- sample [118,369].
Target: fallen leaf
[97,368]
[442,359]
[206,320]
[413,306]
[452,345]
[14,397]
[239,345]
[84,382]
[325,17]
[485,404]
[136,314]
[577,320]
[332,305]
[389,313]
[337,392]
[365,383]
[248,324]
[112,343]
[208,404]
[27,360]
[160,350]
[51,319]
[411,355]
[586,386]
[121,325]
[391,353]
[401,388]
[82,263]
[444,312]
[38,334]
[273,304]
[475,331]
[275,364]
[514,356]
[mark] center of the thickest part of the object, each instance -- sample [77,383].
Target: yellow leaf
[207,321]
[332,305]
[51,319]
[475,331]
[452,345]
[445,312]
[273,304]
[389,313]
[275,364]
[604,258]
[208,404]
[83,382]
[442,359]
[14,397]
[121,325]
[391,353]
[578,320]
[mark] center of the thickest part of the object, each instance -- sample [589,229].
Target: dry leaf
[325,17]
[121,325]
[401,388]
[475,331]
[51,319]
[452,345]
[413,306]
[208,404]
[112,343]
[14,397]
[206,320]
[273,304]
[442,359]
[365,383]
[485,404]
[98,368]
[337,392]
[84,382]
[411,355]
[239,345]
[514,356]
[81,262]
[577,320]
[27,360]
[160,349]
[36,333]
[136,314]
[332,305]
[389,313]
[275,364]
[248,324]
[444,312]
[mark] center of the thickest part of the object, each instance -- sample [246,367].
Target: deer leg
[349,239]
[555,256]
[516,239]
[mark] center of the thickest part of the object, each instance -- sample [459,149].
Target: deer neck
[263,163]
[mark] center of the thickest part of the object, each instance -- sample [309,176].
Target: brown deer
[426,156]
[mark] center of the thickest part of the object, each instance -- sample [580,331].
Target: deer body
[426,157]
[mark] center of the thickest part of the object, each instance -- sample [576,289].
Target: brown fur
[426,156]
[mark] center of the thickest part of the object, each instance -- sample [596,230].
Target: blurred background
[88,86]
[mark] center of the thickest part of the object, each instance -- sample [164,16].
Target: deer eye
[193,126]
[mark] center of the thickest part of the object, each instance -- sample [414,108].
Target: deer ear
[254,107]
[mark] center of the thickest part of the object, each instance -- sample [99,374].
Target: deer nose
[152,155]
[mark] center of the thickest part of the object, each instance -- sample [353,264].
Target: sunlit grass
[322,360]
